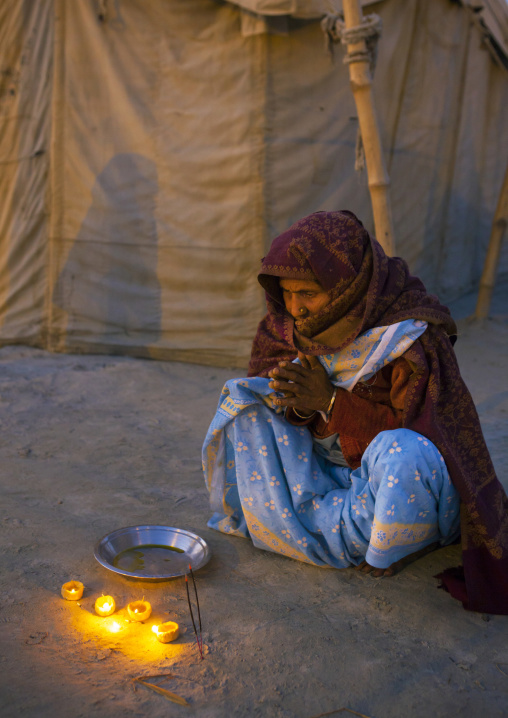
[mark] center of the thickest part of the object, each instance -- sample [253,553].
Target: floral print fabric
[266,480]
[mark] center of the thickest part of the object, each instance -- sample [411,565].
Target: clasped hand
[306,387]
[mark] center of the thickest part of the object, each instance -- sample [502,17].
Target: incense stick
[192,615]
[197,602]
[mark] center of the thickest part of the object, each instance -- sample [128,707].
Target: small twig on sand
[145,681]
[341,710]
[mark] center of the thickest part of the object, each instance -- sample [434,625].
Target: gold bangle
[332,401]
[301,416]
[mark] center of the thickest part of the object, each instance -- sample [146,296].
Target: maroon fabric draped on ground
[369,289]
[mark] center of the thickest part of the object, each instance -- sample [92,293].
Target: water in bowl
[147,560]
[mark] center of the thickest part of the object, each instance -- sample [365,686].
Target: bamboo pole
[53,330]
[488,279]
[361,85]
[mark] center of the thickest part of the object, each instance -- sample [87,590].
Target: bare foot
[365,567]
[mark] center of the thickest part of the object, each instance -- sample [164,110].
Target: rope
[368,31]
[359,153]
[370,27]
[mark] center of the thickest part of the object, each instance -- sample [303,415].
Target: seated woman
[354,441]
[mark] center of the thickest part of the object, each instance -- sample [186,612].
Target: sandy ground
[90,444]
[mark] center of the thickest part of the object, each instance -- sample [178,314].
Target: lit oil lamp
[72,590]
[167,632]
[139,610]
[114,627]
[105,606]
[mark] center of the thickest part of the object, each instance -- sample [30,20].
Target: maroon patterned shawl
[369,289]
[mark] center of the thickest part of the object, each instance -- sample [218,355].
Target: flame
[114,627]
[155,629]
[106,606]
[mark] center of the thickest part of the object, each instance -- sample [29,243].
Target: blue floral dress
[270,481]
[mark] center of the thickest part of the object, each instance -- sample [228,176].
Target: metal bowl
[182,548]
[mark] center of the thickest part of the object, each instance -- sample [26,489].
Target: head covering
[369,289]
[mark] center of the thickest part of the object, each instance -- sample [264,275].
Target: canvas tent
[151,149]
